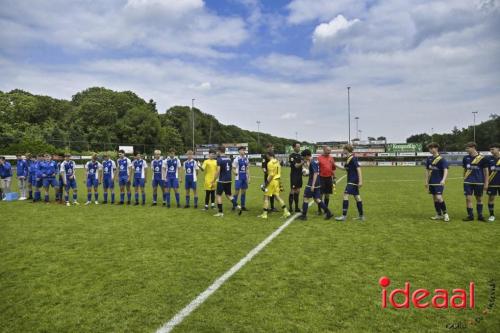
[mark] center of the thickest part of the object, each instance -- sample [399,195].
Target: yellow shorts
[273,188]
[209,186]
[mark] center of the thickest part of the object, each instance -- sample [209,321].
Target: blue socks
[195,202]
[243,199]
[89,196]
[122,197]
[491,208]
[136,196]
[479,208]
[167,196]
[143,197]
[345,207]
[305,206]
[155,196]
[177,198]
[105,196]
[470,212]
[359,204]
[187,200]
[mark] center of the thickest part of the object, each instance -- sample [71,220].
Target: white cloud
[331,29]
[164,27]
[289,115]
[290,66]
[302,11]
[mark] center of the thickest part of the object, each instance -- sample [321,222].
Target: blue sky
[413,65]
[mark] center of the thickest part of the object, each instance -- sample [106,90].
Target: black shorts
[295,181]
[326,185]
[223,188]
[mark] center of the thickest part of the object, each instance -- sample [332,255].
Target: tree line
[487,132]
[98,119]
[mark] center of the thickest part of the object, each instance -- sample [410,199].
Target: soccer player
[108,178]
[190,170]
[171,170]
[124,174]
[30,159]
[37,181]
[475,180]
[60,181]
[265,160]
[354,183]
[157,177]
[94,178]
[209,166]
[494,179]
[296,162]
[241,169]
[49,172]
[312,190]
[272,185]
[67,172]
[22,175]
[139,165]
[223,178]
[436,174]
[5,177]
[326,174]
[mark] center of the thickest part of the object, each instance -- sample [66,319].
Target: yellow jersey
[274,169]
[210,168]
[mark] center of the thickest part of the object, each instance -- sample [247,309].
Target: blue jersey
[124,165]
[93,169]
[241,165]
[494,180]
[436,165]
[108,169]
[224,163]
[139,168]
[33,169]
[157,166]
[473,166]
[173,165]
[313,168]
[22,168]
[190,167]
[5,170]
[48,169]
[68,168]
[351,166]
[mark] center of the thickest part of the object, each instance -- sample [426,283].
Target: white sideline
[179,317]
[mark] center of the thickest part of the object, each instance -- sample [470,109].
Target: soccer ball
[305,172]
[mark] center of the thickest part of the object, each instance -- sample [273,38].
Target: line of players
[481,174]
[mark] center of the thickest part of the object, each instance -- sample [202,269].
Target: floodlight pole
[357,128]
[349,112]
[258,132]
[474,114]
[192,116]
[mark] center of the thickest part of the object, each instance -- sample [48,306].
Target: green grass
[130,269]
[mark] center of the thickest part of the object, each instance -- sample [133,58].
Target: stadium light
[192,116]
[474,114]
[258,132]
[349,112]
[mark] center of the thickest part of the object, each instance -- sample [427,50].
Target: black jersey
[293,159]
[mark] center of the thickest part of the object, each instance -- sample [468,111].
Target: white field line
[195,303]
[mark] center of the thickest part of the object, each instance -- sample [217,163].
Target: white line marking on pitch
[179,317]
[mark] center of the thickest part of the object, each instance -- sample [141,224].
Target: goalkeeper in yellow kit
[271,187]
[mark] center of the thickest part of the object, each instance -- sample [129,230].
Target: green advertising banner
[404,147]
[289,149]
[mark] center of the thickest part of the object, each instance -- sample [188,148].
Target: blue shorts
[36,182]
[241,184]
[123,181]
[473,189]
[50,181]
[351,189]
[138,182]
[172,183]
[436,189]
[190,184]
[70,183]
[493,190]
[316,194]
[108,182]
[157,182]
[92,182]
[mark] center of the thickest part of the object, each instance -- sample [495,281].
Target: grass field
[131,269]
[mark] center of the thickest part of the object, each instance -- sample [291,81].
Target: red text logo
[423,298]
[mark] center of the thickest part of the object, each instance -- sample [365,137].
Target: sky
[413,66]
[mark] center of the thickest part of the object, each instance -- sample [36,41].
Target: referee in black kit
[265,160]
[296,162]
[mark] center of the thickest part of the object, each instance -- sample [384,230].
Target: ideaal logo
[439,298]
